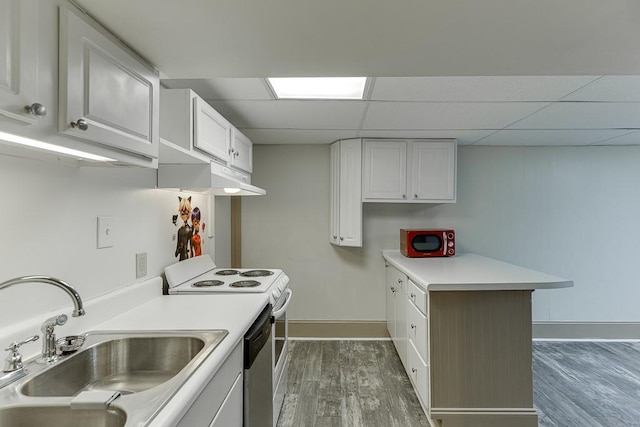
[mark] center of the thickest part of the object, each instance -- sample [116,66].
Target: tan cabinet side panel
[481,349]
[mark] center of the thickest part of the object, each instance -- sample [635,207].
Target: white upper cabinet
[345,218]
[192,128]
[19,61]
[107,94]
[411,171]
[241,151]
[212,132]
[385,169]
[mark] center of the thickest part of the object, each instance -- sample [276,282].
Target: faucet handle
[13,362]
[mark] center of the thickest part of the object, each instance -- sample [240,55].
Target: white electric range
[199,275]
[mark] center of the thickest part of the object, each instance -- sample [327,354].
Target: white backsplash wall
[567,211]
[49,221]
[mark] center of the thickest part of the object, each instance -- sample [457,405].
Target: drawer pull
[413,296]
[414,370]
[413,326]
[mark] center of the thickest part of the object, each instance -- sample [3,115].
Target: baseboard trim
[587,330]
[338,329]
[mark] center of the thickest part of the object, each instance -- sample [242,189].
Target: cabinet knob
[415,196]
[236,153]
[404,196]
[335,237]
[393,289]
[36,109]
[341,238]
[231,150]
[413,326]
[399,280]
[414,370]
[80,124]
[413,296]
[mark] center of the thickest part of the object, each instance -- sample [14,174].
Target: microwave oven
[434,242]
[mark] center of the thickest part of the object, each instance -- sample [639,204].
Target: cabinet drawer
[230,413]
[418,297]
[417,329]
[396,278]
[419,374]
[212,397]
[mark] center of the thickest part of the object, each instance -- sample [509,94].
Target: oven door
[280,334]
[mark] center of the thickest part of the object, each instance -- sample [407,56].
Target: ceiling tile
[632,138]
[548,137]
[464,137]
[223,88]
[297,136]
[584,115]
[609,88]
[446,115]
[487,88]
[292,114]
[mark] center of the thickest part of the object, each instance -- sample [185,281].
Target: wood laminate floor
[363,384]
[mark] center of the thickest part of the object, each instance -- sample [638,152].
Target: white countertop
[233,312]
[142,307]
[471,272]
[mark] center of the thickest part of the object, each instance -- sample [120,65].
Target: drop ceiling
[486,73]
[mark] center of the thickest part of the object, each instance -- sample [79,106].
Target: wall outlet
[141,265]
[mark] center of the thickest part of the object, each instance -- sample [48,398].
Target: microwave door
[427,243]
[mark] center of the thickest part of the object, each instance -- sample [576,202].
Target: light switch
[105,231]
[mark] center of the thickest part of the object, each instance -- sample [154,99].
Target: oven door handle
[277,313]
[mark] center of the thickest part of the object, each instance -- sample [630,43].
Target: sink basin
[129,365]
[60,416]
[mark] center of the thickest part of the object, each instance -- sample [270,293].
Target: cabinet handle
[80,124]
[399,280]
[231,150]
[341,238]
[335,237]
[36,109]
[414,370]
[413,296]
[415,196]
[236,153]
[393,289]
[404,196]
[413,326]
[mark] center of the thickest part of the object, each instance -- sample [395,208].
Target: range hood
[213,178]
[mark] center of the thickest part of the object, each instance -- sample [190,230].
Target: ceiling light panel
[318,87]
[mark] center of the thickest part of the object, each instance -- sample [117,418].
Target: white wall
[49,214]
[567,211]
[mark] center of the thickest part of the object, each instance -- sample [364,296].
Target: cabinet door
[18,67]
[230,413]
[391,309]
[401,325]
[385,170]
[241,151]
[212,132]
[334,198]
[350,214]
[433,170]
[107,95]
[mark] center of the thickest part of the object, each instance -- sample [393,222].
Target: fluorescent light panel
[318,87]
[51,147]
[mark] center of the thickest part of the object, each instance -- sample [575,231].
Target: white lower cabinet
[418,373]
[220,403]
[397,310]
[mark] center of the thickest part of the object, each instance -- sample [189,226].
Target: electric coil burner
[256,273]
[226,272]
[245,284]
[207,283]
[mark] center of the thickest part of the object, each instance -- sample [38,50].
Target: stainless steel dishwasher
[258,372]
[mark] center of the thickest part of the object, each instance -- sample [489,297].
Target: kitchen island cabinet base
[480,353]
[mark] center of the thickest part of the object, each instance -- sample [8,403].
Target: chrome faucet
[49,354]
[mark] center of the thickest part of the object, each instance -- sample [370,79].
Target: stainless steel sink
[128,365]
[60,416]
[147,368]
